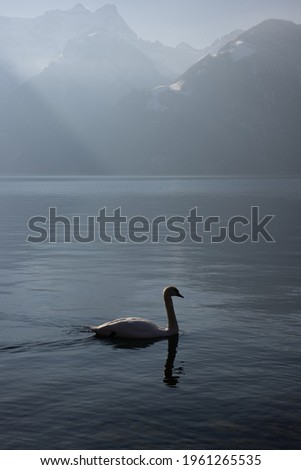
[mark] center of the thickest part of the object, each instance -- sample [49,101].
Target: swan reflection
[171,374]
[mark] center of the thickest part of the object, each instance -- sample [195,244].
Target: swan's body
[135,327]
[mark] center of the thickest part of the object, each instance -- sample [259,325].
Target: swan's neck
[173,327]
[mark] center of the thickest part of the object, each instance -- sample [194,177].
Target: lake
[231,380]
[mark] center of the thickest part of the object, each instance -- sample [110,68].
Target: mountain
[57,114]
[60,112]
[60,75]
[29,45]
[105,104]
[235,112]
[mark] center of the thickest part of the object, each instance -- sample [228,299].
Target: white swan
[133,327]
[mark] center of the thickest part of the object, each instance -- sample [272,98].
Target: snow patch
[154,102]
[177,86]
[239,50]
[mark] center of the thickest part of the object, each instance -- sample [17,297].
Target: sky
[198,22]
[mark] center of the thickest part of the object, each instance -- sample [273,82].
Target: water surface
[231,380]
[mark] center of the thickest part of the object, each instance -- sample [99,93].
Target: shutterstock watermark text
[117,227]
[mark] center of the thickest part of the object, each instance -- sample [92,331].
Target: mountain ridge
[30,44]
[235,111]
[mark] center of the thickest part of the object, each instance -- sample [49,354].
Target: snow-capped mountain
[29,45]
[173,61]
[235,112]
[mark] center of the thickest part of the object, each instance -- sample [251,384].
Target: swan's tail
[91,328]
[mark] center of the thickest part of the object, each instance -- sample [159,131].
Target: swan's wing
[131,327]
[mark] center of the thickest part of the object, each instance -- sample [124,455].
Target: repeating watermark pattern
[139,229]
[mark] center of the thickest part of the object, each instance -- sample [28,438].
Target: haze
[84,91]
[197,22]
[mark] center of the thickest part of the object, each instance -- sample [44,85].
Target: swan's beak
[180,295]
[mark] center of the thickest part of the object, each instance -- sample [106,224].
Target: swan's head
[172,292]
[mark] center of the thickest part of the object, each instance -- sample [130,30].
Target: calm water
[232,380]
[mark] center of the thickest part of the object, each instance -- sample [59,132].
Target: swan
[135,328]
